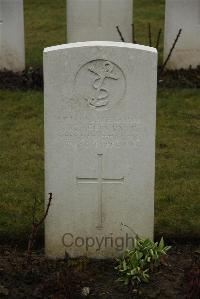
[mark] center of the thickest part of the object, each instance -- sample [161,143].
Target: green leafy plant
[135,265]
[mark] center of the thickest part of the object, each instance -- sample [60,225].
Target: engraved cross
[100,180]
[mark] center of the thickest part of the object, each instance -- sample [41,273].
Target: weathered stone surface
[185,15]
[100,115]
[12,55]
[89,20]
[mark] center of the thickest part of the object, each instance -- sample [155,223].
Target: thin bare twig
[171,51]
[158,38]
[120,34]
[133,32]
[149,34]
[34,210]
[47,210]
[35,227]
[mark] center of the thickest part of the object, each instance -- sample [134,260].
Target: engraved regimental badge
[100,84]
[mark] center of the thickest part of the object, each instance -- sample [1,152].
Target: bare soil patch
[178,277]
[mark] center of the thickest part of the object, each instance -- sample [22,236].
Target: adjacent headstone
[100,116]
[12,54]
[185,15]
[89,20]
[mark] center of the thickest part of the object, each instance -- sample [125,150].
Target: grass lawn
[177,162]
[45,25]
[21,159]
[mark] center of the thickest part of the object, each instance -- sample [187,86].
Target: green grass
[145,12]
[177,162]
[45,25]
[21,159]
[153,12]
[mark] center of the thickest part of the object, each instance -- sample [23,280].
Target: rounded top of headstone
[100,44]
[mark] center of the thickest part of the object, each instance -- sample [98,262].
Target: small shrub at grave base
[135,265]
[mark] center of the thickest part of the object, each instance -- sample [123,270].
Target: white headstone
[12,56]
[100,116]
[89,20]
[185,15]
